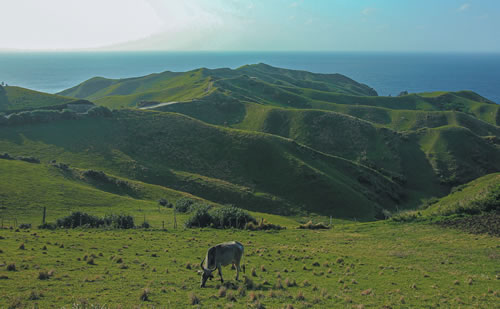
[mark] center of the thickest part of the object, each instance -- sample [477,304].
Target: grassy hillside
[252,170]
[28,187]
[481,194]
[18,99]
[409,157]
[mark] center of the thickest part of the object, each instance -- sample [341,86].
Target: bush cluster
[183,204]
[164,202]
[222,217]
[78,218]
[7,156]
[29,159]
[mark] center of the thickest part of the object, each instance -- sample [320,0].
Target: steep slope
[277,174]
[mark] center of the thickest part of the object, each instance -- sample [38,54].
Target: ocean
[388,73]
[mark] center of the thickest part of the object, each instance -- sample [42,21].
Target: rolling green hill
[19,99]
[268,85]
[257,171]
[275,140]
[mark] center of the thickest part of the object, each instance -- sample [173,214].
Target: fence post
[163,225]
[44,212]
[175,219]
[330,220]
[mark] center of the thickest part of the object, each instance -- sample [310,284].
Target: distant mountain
[264,84]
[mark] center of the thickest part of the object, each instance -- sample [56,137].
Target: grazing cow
[218,256]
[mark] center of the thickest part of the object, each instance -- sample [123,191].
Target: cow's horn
[201,265]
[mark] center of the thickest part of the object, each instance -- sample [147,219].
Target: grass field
[359,265]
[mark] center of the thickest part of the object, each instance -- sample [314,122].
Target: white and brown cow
[221,255]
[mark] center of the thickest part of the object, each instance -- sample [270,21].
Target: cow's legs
[237,271]
[220,274]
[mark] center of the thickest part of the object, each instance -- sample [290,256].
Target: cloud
[368,11]
[463,7]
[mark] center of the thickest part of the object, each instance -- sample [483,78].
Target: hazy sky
[336,25]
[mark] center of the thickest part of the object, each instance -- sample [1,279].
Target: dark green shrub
[200,217]
[222,217]
[6,156]
[77,219]
[182,204]
[25,226]
[29,159]
[119,221]
[145,225]
[98,175]
[230,216]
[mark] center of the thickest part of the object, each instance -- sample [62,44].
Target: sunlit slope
[18,99]
[28,187]
[163,87]
[167,149]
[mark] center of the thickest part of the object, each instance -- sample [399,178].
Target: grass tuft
[144,296]
[43,275]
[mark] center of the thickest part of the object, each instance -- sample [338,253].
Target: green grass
[17,99]
[466,197]
[383,264]
[27,188]
[223,165]
[478,197]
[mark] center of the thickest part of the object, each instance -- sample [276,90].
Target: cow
[221,255]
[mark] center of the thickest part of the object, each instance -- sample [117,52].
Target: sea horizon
[388,73]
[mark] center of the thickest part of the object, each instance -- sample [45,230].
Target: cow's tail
[242,257]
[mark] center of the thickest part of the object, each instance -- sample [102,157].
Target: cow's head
[205,274]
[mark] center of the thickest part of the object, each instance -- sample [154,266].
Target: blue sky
[323,25]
